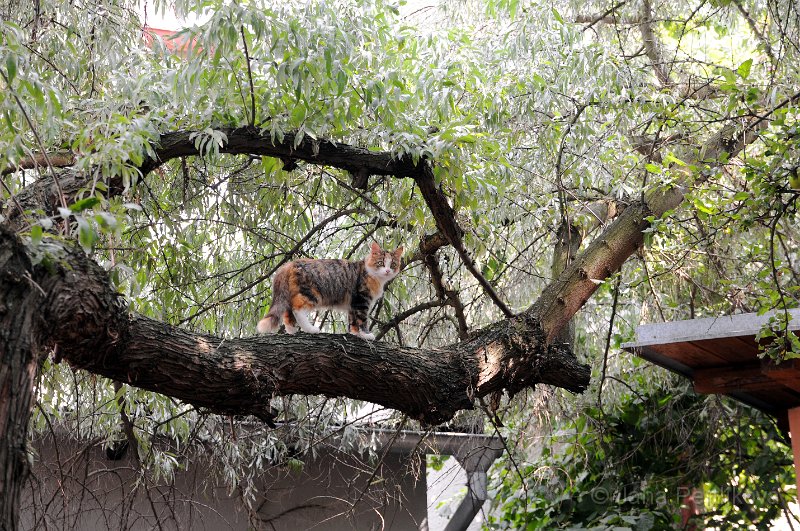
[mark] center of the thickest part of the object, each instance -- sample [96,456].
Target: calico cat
[305,285]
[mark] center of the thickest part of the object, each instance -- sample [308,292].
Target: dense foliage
[532,113]
[634,467]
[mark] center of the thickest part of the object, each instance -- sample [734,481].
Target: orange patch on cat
[373,284]
[300,302]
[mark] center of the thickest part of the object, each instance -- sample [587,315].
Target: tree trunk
[20,327]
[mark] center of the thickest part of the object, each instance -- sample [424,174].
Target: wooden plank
[732,349]
[786,373]
[690,355]
[779,397]
[722,380]
[765,401]
[653,356]
[778,386]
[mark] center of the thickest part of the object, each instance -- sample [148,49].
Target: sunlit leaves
[208,141]
[526,117]
[744,69]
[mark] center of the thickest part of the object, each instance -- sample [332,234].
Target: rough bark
[563,297]
[19,346]
[72,307]
[569,236]
[44,193]
[89,326]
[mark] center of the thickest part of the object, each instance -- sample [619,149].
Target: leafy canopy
[530,112]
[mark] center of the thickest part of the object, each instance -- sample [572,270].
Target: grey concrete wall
[74,486]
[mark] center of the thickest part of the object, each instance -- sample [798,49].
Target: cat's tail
[272,321]
[280,303]
[269,324]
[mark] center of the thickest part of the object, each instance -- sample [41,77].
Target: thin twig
[607,12]
[608,341]
[497,424]
[402,316]
[13,197]
[754,28]
[250,78]
[448,226]
[448,296]
[380,461]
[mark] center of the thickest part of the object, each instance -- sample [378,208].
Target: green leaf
[11,67]
[744,69]
[328,62]
[86,234]
[299,114]
[702,207]
[341,82]
[557,15]
[35,91]
[83,204]
[36,234]
[672,159]
[10,124]
[652,168]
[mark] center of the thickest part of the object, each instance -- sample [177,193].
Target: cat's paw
[312,330]
[366,335]
[291,330]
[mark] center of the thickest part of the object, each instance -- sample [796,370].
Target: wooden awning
[721,356]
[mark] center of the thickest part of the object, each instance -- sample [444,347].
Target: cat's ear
[398,252]
[375,248]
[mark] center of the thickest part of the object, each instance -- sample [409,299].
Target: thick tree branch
[88,322]
[562,298]
[447,225]
[430,244]
[60,159]
[242,140]
[21,343]
[652,46]
[690,87]
[250,140]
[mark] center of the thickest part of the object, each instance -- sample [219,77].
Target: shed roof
[720,355]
